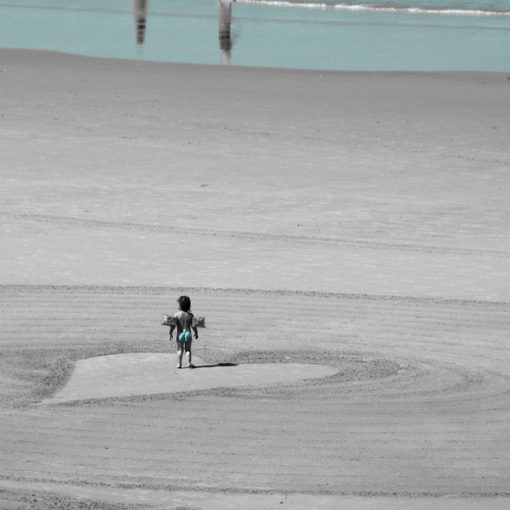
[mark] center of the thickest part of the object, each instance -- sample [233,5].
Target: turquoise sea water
[321,34]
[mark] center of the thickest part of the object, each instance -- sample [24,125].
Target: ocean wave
[380,8]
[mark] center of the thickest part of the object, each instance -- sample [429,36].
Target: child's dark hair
[184,303]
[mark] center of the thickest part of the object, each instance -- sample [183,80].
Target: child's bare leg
[188,357]
[179,357]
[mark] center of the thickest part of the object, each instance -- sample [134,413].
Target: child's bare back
[184,321]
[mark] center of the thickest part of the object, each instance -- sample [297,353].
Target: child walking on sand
[184,324]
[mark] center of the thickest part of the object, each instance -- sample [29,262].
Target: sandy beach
[355,220]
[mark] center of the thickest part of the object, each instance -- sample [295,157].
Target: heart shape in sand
[126,375]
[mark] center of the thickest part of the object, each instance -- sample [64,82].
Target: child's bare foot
[178,366]
[191,365]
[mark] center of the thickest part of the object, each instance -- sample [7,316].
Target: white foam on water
[378,8]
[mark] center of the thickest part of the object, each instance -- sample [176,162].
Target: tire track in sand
[246,235]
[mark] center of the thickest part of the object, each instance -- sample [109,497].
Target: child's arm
[195,330]
[172,327]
